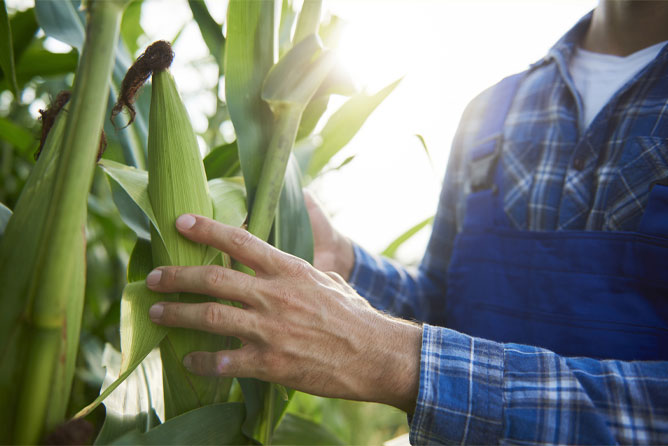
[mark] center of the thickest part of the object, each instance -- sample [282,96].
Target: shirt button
[578,163]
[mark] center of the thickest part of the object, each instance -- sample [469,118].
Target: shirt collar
[562,51]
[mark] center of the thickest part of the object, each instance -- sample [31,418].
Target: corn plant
[274,103]
[42,265]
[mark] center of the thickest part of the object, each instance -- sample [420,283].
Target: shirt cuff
[363,275]
[460,399]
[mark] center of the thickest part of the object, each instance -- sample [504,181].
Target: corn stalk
[42,253]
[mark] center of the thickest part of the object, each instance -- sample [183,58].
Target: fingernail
[187,362]
[153,277]
[155,313]
[185,221]
[222,365]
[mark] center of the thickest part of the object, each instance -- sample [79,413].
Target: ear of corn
[177,185]
[174,184]
[176,179]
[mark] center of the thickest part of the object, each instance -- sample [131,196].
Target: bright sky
[447,50]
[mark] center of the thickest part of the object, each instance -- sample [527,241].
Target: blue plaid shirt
[480,392]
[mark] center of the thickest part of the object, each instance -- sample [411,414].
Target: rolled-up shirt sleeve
[475,391]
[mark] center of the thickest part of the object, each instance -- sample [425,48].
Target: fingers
[238,363]
[209,316]
[237,242]
[211,280]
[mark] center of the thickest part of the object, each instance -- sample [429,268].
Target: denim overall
[578,293]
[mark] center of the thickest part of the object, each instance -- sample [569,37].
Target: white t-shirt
[598,77]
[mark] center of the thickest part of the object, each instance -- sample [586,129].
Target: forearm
[481,392]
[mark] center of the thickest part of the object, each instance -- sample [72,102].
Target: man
[552,231]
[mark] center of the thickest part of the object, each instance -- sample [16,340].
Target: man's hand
[331,250]
[299,327]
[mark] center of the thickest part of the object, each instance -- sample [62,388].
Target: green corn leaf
[24,27]
[37,61]
[18,136]
[311,115]
[342,126]
[308,21]
[391,249]
[331,31]
[288,17]
[6,49]
[256,396]
[228,196]
[141,261]
[296,430]
[131,214]
[339,82]
[62,20]
[222,161]
[292,229]
[5,215]
[249,55]
[216,424]
[139,336]
[134,182]
[298,75]
[137,404]
[131,29]
[212,31]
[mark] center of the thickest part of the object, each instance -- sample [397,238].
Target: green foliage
[215,424]
[7,49]
[212,31]
[268,93]
[391,249]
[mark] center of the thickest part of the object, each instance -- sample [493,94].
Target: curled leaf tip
[157,57]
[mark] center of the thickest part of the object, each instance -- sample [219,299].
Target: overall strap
[501,99]
[483,205]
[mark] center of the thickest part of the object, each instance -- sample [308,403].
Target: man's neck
[622,27]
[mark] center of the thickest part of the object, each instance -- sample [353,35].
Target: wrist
[394,375]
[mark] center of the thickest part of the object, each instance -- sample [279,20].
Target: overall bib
[578,293]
